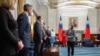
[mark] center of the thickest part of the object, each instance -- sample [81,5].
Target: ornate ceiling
[63,3]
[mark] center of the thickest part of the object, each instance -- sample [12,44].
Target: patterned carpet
[81,51]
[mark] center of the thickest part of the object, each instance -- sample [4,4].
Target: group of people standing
[15,35]
[43,37]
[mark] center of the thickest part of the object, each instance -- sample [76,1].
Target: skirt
[52,40]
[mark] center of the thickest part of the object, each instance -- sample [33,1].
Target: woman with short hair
[9,40]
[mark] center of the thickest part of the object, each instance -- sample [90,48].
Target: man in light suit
[71,39]
[38,37]
[24,29]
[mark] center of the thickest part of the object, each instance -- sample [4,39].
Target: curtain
[32,26]
[20,6]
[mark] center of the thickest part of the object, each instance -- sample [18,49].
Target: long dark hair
[71,27]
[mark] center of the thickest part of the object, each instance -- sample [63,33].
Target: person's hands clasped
[20,45]
[45,37]
[41,41]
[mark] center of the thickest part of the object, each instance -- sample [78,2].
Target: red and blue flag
[60,30]
[87,30]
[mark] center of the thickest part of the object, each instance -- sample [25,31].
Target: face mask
[15,6]
[42,22]
[32,14]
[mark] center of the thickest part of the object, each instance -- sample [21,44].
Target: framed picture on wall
[73,21]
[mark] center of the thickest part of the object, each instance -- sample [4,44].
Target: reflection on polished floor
[81,51]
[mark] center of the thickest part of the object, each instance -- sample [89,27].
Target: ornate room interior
[52,10]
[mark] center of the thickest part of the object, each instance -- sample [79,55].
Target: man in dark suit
[45,37]
[48,33]
[38,37]
[71,39]
[24,29]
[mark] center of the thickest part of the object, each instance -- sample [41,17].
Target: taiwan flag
[87,30]
[60,30]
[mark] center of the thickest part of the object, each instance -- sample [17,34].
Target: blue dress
[52,39]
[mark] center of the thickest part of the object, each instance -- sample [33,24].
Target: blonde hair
[7,3]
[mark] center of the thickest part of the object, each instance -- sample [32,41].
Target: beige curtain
[32,23]
[32,26]
[20,6]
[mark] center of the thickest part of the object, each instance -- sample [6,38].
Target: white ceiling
[63,3]
[59,1]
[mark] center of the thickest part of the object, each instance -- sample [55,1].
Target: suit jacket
[38,32]
[24,29]
[48,32]
[8,33]
[71,35]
